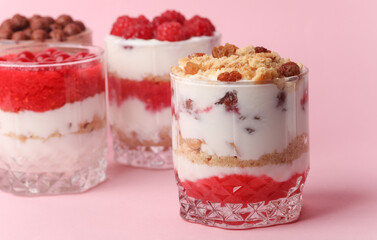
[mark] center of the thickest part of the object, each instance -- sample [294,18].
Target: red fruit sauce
[43,88]
[237,188]
[155,94]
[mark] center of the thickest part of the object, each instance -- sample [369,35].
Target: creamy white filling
[64,120]
[56,154]
[132,116]
[280,172]
[261,127]
[137,58]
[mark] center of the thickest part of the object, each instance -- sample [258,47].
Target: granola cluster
[229,63]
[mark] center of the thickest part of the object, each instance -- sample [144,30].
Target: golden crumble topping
[229,63]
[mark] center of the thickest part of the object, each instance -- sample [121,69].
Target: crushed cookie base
[133,141]
[85,127]
[191,149]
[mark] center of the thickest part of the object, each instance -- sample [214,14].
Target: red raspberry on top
[157,21]
[169,26]
[142,31]
[120,24]
[199,26]
[124,22]
[170,31]
[172,15]
[142,20]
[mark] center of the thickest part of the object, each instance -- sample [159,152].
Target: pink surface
[335,39]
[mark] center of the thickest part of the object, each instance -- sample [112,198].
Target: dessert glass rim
[155,42]
[204,81]
[98,51]
[10,41]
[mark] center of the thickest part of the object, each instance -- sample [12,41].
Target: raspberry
[157,21]
[142,20]
[172,15]
[120,24]
[142,31]
[170,31]
[199,26]
[129,27]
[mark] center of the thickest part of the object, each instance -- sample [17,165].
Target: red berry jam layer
[155,94]
[237,188]
[47,87]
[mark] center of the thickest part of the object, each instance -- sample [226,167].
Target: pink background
[335,39]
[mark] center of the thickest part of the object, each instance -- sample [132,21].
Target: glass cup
[52,120]
[240,150]
[139,96]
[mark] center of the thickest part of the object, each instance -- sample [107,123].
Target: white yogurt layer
[261,127]
[132,116]
[57,154]
[64,120]
[137,58]
[281,172]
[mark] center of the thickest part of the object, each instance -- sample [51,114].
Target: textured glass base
[156,158]
[49,183]
[240,216]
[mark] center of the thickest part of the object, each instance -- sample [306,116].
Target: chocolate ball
[39,35]
[5,33]
[39,23]
[55,26]
[35,16]
[64,19]
[19,36]
[81,25]
[7,24]
[19,22]
[28,32]
[49,20]
[58,35]
[72,29]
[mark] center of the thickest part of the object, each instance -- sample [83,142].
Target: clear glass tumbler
[52,119]
[240,150]
[139,96]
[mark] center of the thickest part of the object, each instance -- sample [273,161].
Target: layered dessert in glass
[240,137]
[52,119]
[23,31]
[140,54]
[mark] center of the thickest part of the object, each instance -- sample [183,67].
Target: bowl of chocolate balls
[20,30]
